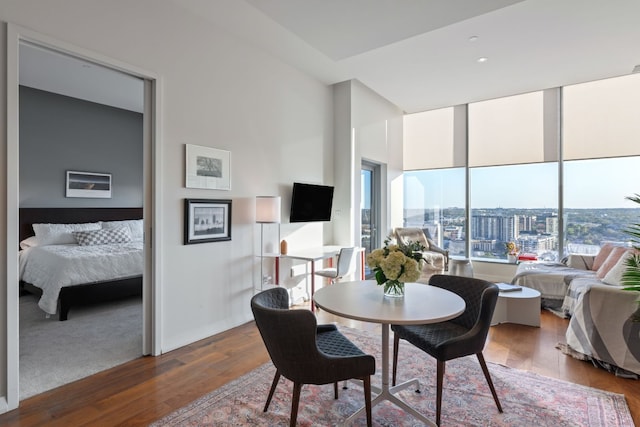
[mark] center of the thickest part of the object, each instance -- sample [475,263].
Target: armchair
[436,258]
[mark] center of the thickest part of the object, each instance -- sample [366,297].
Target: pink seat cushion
[612,259]
[601,257]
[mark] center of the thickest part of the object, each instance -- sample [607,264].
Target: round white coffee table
[522,307]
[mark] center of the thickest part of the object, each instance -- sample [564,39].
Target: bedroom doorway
[18,40]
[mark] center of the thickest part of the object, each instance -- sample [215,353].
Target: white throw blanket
[53,267]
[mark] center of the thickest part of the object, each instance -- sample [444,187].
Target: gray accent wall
[59,133]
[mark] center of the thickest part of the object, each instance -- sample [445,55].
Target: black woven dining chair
[305,352]
[462,336]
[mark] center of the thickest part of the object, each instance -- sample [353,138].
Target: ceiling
[423,54]
[51,71]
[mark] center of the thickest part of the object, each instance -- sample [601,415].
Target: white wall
[378,130]
[219,92]
[367,127]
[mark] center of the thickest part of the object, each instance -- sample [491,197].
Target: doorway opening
[17,39]
[370,209]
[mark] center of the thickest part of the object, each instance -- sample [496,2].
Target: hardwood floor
[144,390]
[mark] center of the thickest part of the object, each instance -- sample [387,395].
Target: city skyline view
[588,184]
[535,231]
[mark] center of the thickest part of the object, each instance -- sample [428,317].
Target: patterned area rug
[528,399]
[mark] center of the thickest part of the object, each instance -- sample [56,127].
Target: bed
[65,273]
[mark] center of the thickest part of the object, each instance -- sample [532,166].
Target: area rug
[527,399]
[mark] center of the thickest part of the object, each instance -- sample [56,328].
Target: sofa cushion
[614,276]
[601,256]
[611,260]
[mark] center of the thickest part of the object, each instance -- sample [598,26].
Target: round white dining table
[365,300]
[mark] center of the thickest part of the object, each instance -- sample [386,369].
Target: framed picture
[206,220]
[88,184]
[207,168]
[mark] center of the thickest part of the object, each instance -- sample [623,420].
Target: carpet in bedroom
[95,338]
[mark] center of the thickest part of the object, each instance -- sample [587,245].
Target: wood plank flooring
[144,390]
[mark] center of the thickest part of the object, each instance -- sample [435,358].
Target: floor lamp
[267,212]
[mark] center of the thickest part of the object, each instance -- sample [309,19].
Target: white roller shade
[507,131]
[432,139]
[602,118]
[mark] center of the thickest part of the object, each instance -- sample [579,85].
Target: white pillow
[29,242]
[61,234]
[135,226]
[614,276]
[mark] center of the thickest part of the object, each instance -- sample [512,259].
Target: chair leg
[335,390]
[439,380]
[483,365]
[276,378]
[366,383]
[295,400]
[396,347]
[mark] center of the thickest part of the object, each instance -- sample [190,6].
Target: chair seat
[331,342]
[430,337]
[329,272]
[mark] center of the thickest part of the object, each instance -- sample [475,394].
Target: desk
[364,300]
[318,254]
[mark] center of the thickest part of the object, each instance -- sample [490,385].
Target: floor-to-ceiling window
[601,141]
[513,176]
[548,171]
[435,176]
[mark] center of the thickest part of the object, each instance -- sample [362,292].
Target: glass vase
[393,289]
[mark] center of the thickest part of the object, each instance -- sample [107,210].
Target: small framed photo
[208,168]
[88,184]
[206,220]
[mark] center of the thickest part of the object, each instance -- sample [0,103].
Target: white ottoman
[522,307]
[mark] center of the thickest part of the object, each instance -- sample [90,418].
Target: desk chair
[462,336]
[346,265]
[305,352]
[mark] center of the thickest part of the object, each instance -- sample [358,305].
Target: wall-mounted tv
[311,202]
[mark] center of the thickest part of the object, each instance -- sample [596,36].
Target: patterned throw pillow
[103,237]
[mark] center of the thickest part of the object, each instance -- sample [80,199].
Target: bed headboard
[28,216]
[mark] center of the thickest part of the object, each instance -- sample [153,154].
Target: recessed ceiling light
[483,59]
[473,38]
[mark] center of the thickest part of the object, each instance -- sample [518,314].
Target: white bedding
[53,267]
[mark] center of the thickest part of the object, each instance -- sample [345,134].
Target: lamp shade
[267,208]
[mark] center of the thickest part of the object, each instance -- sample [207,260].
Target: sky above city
[599,183]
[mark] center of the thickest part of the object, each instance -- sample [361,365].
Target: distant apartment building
[551,225]
[453,232]
[524,223]
[483,245]
[493,227]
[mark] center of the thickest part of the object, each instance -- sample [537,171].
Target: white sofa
[600,326]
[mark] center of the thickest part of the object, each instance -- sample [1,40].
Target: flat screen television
[311,202]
